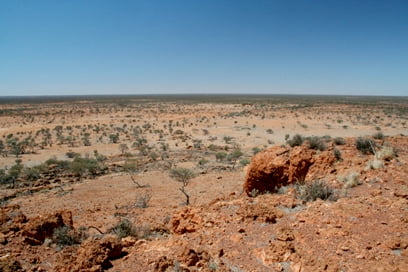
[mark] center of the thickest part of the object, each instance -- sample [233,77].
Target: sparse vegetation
[385,153]
[351,180]
[315,190]
[375,164]
[143,200]
[139,142]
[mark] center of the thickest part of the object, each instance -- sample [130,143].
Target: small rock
[128,241]
[345,248]
[376,192]
[3,239]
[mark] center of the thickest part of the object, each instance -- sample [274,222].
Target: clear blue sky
[196,46]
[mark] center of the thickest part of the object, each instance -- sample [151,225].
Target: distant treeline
[206,98]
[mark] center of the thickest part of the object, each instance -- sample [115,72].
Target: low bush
[220,156]
[366,146]
[386,153]
[66,236]
[339,141]
[316,143]
[203,162]
[142,201]
[378,136]
[124,229]
[375,164]
[315,190]
[71,154]
[256,150]
[337,154]
[244,162]
[82,166]
[351,180]
[296,140]
[61,164]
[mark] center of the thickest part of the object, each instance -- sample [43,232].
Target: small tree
[228,139]
[131,167]
[2,147]
[15,171]
[114,138]
[219,156]
[123,148]
[183,175]
[83,166]
[86,139]
[234,156]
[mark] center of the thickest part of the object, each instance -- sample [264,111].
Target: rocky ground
[364,229]
[308,204]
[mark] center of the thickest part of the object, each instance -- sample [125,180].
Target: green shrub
[366,146]
[244,162]
[71,154]
[228,139]
[114,138]
[316,143]
[220,156]
[213,147]
[339,141]
[256,150]
[379,135]
[296,140]
[82,166]
[124,229]
[61,164]
[202,162]
[65,236]
[32,174]
[337,154]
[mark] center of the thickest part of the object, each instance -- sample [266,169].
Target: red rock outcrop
[95,254]
[187,220]
[41,227]
[277,166]
[11,218]
[322,165]
[259,212]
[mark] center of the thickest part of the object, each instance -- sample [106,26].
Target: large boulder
[277,166]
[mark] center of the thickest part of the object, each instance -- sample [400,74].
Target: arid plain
[160,183]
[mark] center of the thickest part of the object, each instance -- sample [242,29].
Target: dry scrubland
[103,183]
